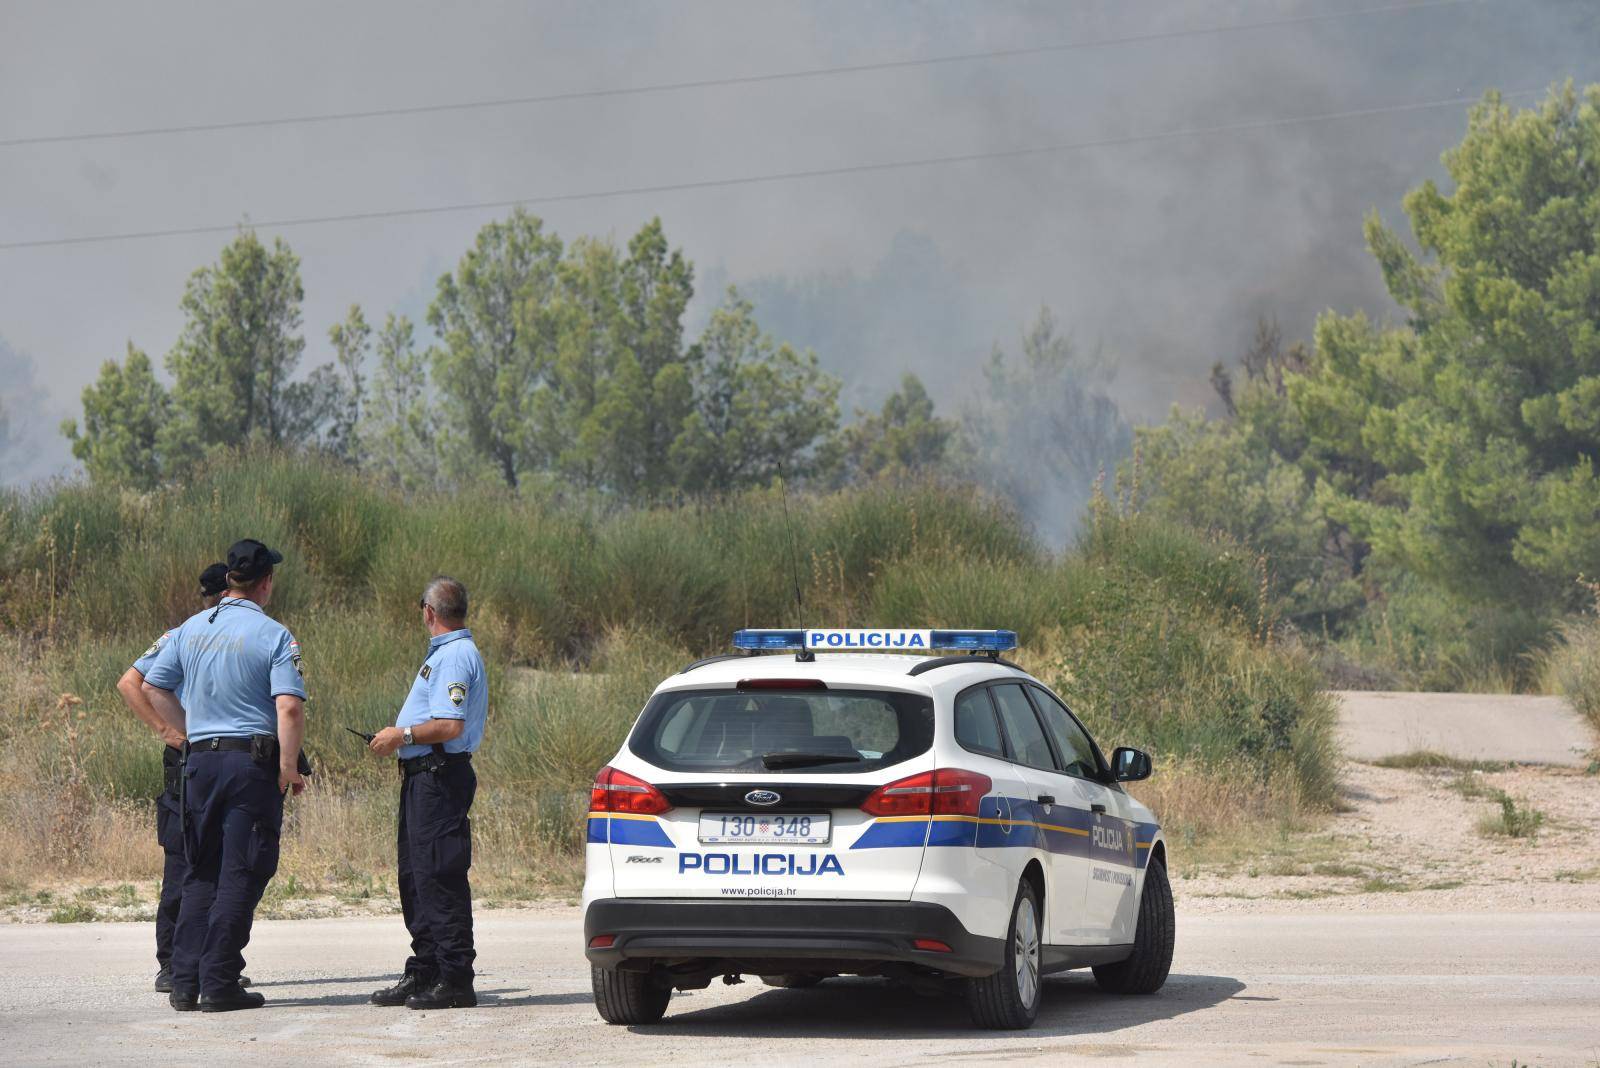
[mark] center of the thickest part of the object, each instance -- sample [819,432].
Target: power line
[762,179]
[709,83]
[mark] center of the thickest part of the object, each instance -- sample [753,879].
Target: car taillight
[945,792]
[617,791]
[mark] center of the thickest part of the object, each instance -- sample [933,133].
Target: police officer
[245,719]
[437,731]
[169,823]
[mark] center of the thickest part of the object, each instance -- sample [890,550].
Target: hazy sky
[1161,252]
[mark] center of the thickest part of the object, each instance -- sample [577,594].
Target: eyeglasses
[422,602]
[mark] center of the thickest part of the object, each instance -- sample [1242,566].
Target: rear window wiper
[799,760]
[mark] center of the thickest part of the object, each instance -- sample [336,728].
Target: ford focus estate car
[868,807]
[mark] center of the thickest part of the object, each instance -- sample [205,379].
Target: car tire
[1009,999]
[792,980]
[1145,970]
[628,997]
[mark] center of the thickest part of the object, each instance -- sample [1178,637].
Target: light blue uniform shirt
[232,661]
[147,661]
[451,685]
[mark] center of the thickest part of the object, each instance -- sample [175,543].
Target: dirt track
[1259,989]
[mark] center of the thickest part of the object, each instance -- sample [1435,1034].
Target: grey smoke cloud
[31,446]
[1159,254]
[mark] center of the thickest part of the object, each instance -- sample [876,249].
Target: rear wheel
[1146,969]
[792,980]
[1009,999]
[628,997]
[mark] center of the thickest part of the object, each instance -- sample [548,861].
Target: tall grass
[1570,664]
[1158,637]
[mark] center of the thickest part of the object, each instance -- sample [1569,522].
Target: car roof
[872,670]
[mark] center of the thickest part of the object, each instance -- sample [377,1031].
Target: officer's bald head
[448,598]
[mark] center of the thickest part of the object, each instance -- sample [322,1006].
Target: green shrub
[1159,637]
[1163,645]
[1511,821]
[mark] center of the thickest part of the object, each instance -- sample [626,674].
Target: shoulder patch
[426,670]
[155,646]
[458,693]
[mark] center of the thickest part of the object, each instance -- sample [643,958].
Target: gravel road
[1474,988]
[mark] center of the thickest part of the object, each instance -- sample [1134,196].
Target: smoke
[1044,431]
[1159,254]
[31,447]
[1163,254]
[908,312]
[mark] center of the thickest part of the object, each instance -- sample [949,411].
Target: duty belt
[432,762]
[225,745]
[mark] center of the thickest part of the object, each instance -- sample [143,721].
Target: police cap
[213,580]
[249,559]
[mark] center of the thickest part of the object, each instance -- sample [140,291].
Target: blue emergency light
[982,641]
[775,640]
[881,640]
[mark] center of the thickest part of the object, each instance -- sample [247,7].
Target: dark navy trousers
[435,847]
[233,817]
[169,833]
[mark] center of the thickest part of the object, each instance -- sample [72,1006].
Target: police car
[851,809]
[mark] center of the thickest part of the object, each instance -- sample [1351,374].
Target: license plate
[796,828]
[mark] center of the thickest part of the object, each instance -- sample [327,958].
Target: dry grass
[338,850]
[1428,760]
[1223,817]
[1571,666]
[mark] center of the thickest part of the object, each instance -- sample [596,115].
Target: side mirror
[1129,765]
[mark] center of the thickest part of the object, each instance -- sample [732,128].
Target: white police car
[854,810]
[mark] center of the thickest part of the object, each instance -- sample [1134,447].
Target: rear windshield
[782,731]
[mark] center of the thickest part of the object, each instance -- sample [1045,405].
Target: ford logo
[763,797]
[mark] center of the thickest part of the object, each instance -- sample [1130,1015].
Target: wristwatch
[406,735]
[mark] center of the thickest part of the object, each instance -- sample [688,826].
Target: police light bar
[841,640]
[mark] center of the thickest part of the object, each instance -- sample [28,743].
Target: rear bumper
[766,937]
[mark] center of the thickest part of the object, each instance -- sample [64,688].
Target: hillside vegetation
[1159,637]
[1426,490]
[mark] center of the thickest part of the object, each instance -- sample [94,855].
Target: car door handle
[1047,799]
[1097,808]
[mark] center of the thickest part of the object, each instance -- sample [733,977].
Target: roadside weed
[1511,821]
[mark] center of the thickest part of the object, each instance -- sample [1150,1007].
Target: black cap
[213,580]
[249,559]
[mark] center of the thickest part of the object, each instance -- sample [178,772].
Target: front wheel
[1009,999]
[1146,968]
[628,997]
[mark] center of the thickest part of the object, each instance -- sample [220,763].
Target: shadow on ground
[322,980]
[874,1009]
[496,998]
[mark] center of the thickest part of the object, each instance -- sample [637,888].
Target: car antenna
[794,559]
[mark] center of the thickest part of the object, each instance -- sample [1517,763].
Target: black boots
[395,996]
[443,995]
[426,992]
[231,1000]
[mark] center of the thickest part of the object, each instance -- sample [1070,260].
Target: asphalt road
[1245,989]
[1474,726]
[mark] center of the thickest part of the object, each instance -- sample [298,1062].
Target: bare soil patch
[1419,839]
